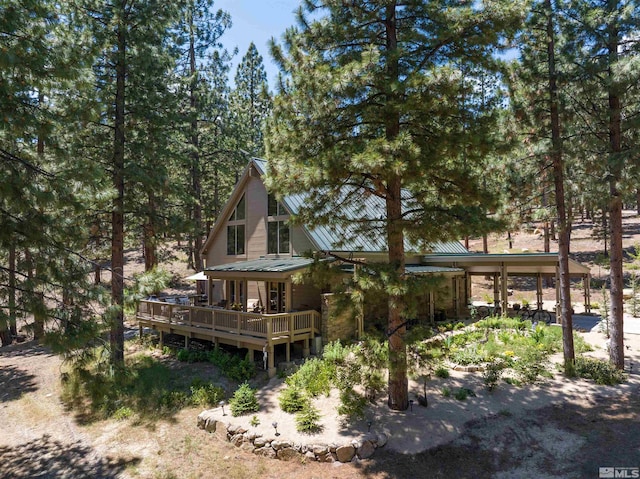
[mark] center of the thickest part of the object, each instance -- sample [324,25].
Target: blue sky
[257,21]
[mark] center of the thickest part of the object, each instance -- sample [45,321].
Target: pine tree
[43,67]
[199,32]
[251,101]
[369,107]
[605,47]
[540,74]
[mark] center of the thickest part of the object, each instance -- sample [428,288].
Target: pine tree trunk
[398,381]
[195,160]
[116,337]
[13,327]
[638,201]
[558,179]
[485,244]
[149,235]
[616,348]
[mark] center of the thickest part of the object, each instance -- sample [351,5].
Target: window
[235,240]
[239,211]
[236,229]
[277,227]
[278,237]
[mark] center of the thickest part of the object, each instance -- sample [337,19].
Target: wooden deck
[257,332]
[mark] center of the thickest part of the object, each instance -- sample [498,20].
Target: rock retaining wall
[280,448]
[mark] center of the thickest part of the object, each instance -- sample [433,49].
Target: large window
[277,227]
[236,229]
[235,240]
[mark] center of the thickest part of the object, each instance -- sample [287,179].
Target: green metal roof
[422,269]
[360,207]
[263,265]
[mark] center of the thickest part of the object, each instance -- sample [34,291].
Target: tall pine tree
[369,107]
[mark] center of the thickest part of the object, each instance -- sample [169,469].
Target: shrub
[461,394]
[307,419]
[244,400]
[492,373]
[466,356]
[314,377]
[335,352]
[601,372]
[174,400]
[352,404]
[122,413]
[446,392]
[205,394]
[255,422]
[442,372]
[292,399]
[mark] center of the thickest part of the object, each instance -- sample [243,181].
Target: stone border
[277,448]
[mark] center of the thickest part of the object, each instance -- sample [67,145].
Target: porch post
[271,371]
[539,291]
[496,290]
[432,307]
[456,294]
[586,283]
[288,355]
[306,350]
[505,293]
[288,291]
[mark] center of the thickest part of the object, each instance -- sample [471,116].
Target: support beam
[306,350]
[539,291]
[505,292]
[586,283]
[432,307]
[496,290]
[271,369]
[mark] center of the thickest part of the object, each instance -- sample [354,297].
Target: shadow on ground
[46,458]
[15,382]
[559,441]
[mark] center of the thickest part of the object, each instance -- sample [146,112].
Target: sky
[257,21]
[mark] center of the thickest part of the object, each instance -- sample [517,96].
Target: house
[252,255]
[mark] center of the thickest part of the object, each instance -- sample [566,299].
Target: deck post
[271,371]
[288,351]
[186,341]
[161,338]
[306,351]
[587,292]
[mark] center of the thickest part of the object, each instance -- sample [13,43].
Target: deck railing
[268,326]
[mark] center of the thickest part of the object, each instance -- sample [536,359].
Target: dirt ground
[561,429]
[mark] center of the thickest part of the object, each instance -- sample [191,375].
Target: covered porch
[501,266]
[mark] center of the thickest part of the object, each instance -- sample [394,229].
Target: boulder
[237,440]
[366,450]
[277,445]
[382,439]
[345,453]
[320,449]
[310,456]
[287,454]
[261,442]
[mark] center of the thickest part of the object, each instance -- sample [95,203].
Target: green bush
[335,352]
[122,413]
[493,372]
[352,404]
[467,356]
[292,399]
[442,372]
[307,420]
[174,400]
[461,394]
[601,372]
[205,394]
[314,376]
[244,401]
[446,392]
